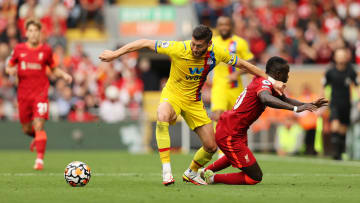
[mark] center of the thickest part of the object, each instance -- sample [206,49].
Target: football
[77,174]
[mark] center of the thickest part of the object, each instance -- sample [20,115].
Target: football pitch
[121,177]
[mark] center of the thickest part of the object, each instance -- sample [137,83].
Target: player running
[231,130]
[191,61]
[227,79]
[32,59]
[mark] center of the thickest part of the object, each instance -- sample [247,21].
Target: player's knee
[211,148]
[253,180]
[27,130]
[163,116]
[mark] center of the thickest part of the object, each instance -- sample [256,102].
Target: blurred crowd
[108,91]
[302,31]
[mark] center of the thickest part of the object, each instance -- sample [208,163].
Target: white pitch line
[158,174]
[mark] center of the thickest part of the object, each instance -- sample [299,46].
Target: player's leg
[165,115]
[40,142]
[339,120]
[241,158]
[218,106]
[25,115]
[41,114]
[250,175]
[203,155]
[28,129]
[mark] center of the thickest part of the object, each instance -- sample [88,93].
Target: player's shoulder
[46,47]
[20,46]
[217,39]
[260,81]
[239,40]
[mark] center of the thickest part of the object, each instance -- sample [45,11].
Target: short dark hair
[202,32]
[33,22]
[276,64]
[228,17]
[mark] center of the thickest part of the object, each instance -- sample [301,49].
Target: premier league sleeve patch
[163,44]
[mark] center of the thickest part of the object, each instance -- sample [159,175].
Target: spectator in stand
[80,113]
[148,76]
[64,102]
[93,9]
[307,120]
[8,11]
[29,10]
[131,89]
[112,109]
[289,137]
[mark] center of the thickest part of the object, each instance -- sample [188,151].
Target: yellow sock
[220,153]
[163,141]
[201,158]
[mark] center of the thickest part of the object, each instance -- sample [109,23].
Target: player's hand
[279,87]
[306,107]
[11,71]
[107,56]
[320,102]
[67,78]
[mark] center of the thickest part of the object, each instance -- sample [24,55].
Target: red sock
[40,143]
[234,179]
[219,164]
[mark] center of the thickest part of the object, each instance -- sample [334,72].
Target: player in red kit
[231,130]
[32,58]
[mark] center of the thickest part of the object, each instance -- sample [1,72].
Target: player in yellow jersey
[191,61]
[227,79]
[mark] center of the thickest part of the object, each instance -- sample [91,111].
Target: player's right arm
[109,55]
[269,100]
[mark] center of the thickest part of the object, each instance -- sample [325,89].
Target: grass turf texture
[121,177]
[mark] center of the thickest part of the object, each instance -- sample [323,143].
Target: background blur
[113,105]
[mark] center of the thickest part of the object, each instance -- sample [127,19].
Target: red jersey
[31,69]
[246,110]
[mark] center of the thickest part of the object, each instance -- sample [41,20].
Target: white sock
[212,179]
[166,167]
[40,161]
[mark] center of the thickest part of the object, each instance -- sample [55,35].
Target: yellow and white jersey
[188,73]
[234,45]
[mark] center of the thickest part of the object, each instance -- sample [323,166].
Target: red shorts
[237,151]
[33,108]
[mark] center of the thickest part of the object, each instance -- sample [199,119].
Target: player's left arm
[269,100]
[318,103]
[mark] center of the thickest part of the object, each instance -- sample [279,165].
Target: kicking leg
[203,155]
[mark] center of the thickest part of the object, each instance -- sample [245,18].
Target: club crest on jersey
[41,55]
[232,48]
[266,82]
[247,158]
[22,55]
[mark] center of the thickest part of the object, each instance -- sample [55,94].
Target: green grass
[121,177]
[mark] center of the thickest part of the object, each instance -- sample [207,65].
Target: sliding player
[231,130]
